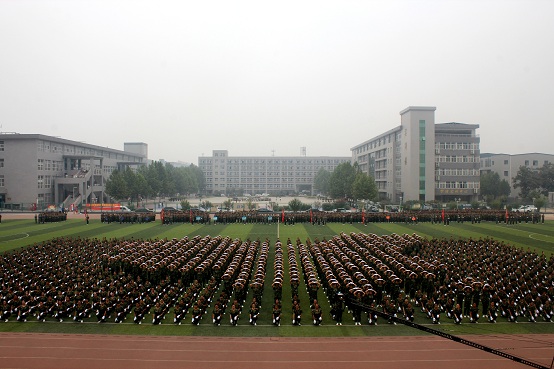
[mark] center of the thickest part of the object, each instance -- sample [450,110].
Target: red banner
[103,207]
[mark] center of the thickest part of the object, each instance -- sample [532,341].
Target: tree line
[156,179]
[346,181]
[533,184]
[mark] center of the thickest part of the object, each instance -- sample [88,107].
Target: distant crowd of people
[127,217]
[50,217]
[316,217]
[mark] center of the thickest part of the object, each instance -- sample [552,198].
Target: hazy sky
[188,77]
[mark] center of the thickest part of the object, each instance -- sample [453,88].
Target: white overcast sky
[188,77]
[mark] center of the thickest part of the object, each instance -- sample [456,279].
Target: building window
[1,163]
[535,163]
[505,173]
[40,164]
[526,163]
[40,182]
[505,162]
[1,180]
[1,145]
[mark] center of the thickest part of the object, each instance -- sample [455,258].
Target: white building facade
[277,176]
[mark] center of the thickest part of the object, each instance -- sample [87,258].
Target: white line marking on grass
[530,234]
[542,235]
[16,239]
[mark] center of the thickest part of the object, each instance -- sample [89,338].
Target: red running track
[60,351]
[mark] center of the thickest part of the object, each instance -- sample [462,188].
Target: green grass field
[20,233]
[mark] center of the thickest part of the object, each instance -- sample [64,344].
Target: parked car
[526,209]
[265,210]
[143,210]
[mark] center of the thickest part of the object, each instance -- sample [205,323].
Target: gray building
[37,171]
[421,160]
[507,165]
[274,175]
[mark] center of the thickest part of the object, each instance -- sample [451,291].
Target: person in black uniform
[338,308]
[356,308]
[234,315]
[372,314]
[158,314]
[436,314]
[457,314]
[408,312]
[296,313]
[492,312]
[179,312]
[474,313]
[196,314]
[277,313]
[217,314]
[316,313]
[254,313]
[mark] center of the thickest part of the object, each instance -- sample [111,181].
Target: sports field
[18,232]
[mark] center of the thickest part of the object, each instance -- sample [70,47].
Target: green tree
[206,205]
[539,202]
[151,174]
[185,204]
[116,186]
[295,205]
[130,180]
[197,173]
[167,180]
[546,177]
[490,183]
[250,204]
[327,206]
[364,187]
[341,181]
[492,187]
[526,180]
[504,189]
[321,181]
[141,187]
[228,204]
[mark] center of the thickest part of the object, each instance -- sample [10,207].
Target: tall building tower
[418,153]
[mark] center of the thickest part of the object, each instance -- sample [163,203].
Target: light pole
[457,202]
